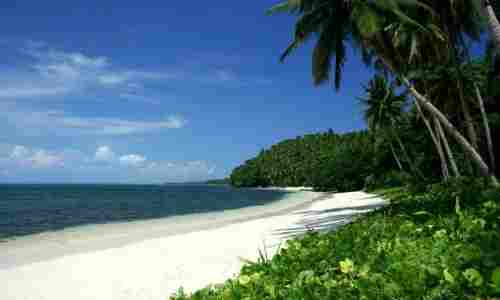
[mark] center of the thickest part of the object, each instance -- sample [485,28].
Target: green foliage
[326,161]
[388,180]
[441,244]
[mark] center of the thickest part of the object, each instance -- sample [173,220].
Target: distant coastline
[224,181]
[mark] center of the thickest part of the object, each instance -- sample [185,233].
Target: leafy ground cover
[443,243]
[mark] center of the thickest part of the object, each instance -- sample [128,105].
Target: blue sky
[154,91]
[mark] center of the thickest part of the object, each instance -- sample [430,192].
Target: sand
[150,260]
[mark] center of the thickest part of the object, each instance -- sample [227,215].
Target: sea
[27,209]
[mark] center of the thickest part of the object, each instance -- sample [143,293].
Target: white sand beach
[152,259]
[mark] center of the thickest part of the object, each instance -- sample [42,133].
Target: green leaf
[255,276]
[346,266]
[490,205]
[448,277]
[244,280]
[304,275]
[421,213]
[473,277]
[368,22]
[495,278]
[440,234]
[480,221]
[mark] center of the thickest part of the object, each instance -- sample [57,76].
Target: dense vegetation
[439,244]
[321,160]
[433,114]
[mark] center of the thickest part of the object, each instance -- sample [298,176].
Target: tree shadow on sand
[328,219]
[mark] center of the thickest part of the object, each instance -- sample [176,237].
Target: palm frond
[285,6]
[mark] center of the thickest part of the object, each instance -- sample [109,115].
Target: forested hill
[324,160]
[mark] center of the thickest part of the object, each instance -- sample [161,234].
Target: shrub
[387,180]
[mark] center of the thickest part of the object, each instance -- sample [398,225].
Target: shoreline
[155,268]
[23,250]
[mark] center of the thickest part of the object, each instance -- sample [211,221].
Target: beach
[152,259]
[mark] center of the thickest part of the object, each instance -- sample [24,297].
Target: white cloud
[176,121]
[21,161]
[115,126]
[43,159]
[104,153]
[85,61]
[19,152]
[67,124]
[54,73]
[57,72]
[112,79]
[129,77]
[62,71]
[133,160]
[35,158]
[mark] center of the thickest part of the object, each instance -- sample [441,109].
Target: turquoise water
[29,209]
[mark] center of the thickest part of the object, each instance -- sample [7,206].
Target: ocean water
[30,209]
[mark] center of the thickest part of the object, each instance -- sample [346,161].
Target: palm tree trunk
[493,24]
[448,126]
[405,154]
[444,166]
[469,124]
[447,148]
[487,130]
[396,158]
[461,140]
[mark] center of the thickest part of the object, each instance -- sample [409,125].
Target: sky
[155,91]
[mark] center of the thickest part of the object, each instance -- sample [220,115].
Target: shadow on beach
[328,219]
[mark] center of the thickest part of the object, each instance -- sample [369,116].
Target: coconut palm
[383,109]
[451,24]
[373,25]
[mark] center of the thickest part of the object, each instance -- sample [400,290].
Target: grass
[440,244]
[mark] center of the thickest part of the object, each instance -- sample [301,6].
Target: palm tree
[373,26]
[383,110]
[444,40]
[463,81]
